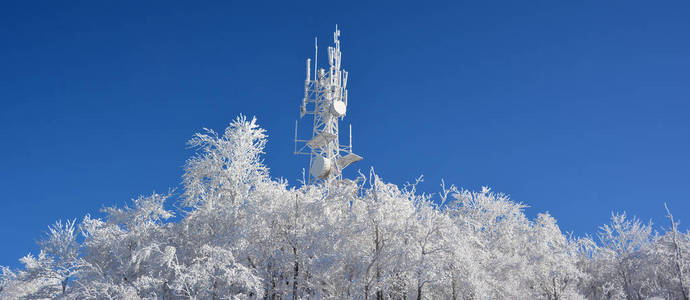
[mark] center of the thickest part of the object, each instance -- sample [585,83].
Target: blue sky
[579,109]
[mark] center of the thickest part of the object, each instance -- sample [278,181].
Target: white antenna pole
[316,58]
[350,137]
[296,136]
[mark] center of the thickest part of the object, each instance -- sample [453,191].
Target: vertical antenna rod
[316,56]
[350,138]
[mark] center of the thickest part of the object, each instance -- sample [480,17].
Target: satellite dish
[320,167]
[338,108]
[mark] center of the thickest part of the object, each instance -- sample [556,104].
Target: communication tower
[325,99]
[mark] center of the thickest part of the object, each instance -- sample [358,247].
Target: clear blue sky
[578,109]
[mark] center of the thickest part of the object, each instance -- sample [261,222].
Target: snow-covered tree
[553,265]
[671,262]
[619,265]
[237,233]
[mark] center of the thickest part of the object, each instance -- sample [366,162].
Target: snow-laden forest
[236,233]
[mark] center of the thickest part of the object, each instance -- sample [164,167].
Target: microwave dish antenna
[325,101]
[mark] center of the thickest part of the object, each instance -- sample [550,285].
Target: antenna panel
[321,140]
[347,160]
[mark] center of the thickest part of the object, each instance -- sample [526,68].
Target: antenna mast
[325,99]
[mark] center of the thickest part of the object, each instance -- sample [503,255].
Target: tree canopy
[239,234]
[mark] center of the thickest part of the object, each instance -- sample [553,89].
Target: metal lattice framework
[325,99]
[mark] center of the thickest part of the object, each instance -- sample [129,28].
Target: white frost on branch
[243,235]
